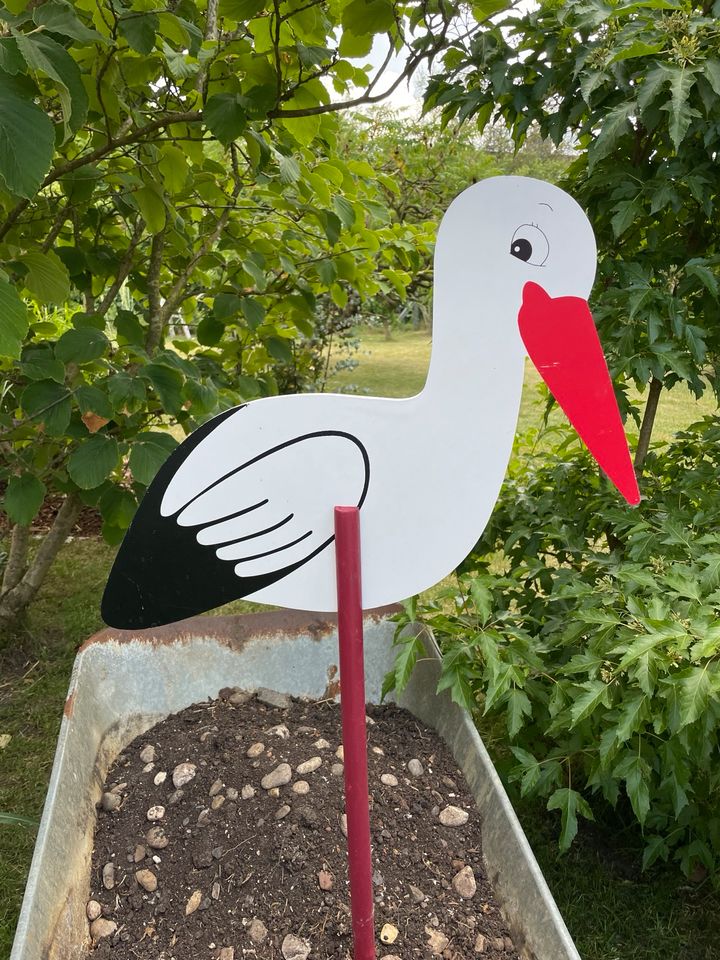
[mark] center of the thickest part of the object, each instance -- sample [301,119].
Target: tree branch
[123,269]
[17,558]
[155,307]
[648,422]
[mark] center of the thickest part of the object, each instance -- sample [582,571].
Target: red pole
[352,705]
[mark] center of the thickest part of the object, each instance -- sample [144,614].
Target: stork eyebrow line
[541,204]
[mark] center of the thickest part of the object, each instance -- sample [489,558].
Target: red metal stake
[352,704]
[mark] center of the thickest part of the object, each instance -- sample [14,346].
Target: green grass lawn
[398,368]
[613,912]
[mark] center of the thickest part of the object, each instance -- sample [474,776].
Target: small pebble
[325,879]
[147,754]
[160,777]
[255,750]
[93,910]
[464,883]
[227,953]
[274,699]
[437,941]
[215,892]
[216,788]
[295,948]
[258,931]
[389,779]
[340,753]
[280,730]
[231,793]
[139,853]
[274,792]
[183,773]
[321,744]
[176,796]
[480,943]
[301,787]
[147,880]
[379,751]
[309,766]
[217,802]
[415,767]
[108,876]
[389,933]
[148,767]
[337,769]
[282,812]
[155,813]
[238,697]
[156,838]
[102,928]
[193,903]
[278,777]
[247,792]
[343,824]
[416,894]
[453,816]
[110,802]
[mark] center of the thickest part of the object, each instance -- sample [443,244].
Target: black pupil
[522,249]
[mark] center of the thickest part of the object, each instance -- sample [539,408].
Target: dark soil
[275,863]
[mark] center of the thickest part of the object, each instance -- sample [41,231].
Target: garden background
[205,202]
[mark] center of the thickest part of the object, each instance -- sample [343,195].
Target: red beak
[560,338]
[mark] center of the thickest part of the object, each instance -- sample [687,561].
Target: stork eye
[530,245]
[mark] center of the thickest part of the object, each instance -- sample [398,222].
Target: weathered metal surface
[124,682]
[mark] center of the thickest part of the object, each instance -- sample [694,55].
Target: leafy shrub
[594,631]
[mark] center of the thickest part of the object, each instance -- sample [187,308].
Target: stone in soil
[183,773]
[278,777]
[236,878]
[452,816]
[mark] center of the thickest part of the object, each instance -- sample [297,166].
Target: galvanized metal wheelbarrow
[124,682]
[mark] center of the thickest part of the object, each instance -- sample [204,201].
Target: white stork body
[245,506]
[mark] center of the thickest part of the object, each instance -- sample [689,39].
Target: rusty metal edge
[233,630]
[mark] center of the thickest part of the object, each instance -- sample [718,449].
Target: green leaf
[289,169]
[47,277]
[81,346]
[152,207]
[39,363]
[656,848]
[361,17]
[13,321]
[631,716]
[253,311]
[596,692]
[91,399]
[712,74]
[45,55]
[695,689]
[93,461]
[118,506]
[11,60]
[240,9]
[224,117]
[167,383]
[682,81]
[148,453]
[518,707]
[48,402]
[570,803]
[279,349]
[615,125]
[58,16]
[139,29]
[173,167]
[27,143]
[638,48]
[23,498]
[482,599]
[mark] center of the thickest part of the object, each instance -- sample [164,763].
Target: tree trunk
[15,601]
[648,422]
[17,559]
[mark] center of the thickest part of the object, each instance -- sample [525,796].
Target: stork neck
[476,363]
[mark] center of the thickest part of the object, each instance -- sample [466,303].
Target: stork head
[536,252]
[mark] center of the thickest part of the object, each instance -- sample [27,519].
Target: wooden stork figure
[245,506]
